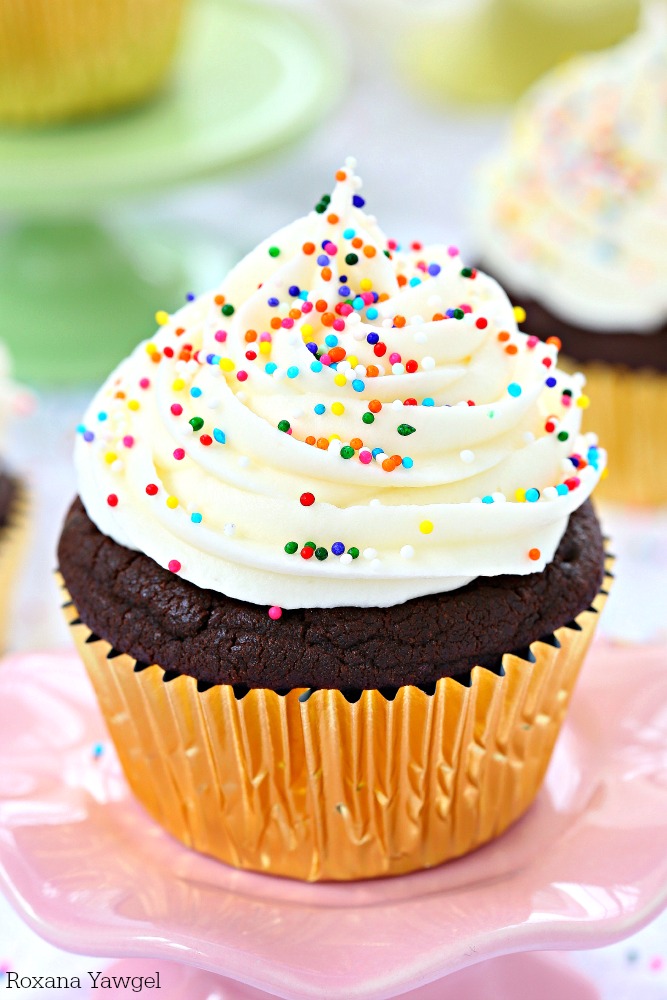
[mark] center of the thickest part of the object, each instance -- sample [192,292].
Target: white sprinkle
[476,500]
[294,339]
[229,529]
[370,554]
[428,364]
[375,503]
[387,324]
[499,497]
[243,461]
[241,396]
[214,402]
[398,368]
[528,437]
[376,565]
[214,371]
[359,333]
[297,413]
[416,320]
[279,374]
[467,456]
[345,559]
[407,552]
[549,493]
[343,366]
[117,466]
[360,370]
[351,162]
[397,404]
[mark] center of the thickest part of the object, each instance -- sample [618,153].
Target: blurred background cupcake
[572,218]
[64,59]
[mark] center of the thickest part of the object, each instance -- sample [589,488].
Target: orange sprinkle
[326,273]
[388,465]
[438,316]
[534,554]
[555,341]
[399,321]
[383,296]
[375,406]
[321,305]
[295,313]
[323,443]
[308,248]
[276,323]
[120,394]
[396,459]
[310,439]
[356,443]
[357,242]
[503,336]
[341,175]
[328,320]
[179,331]
[511,349]
[336,353]
[402,280]
[332,218]
[219,300]
[370,251]
[155,357]
[372,371]
[250,336]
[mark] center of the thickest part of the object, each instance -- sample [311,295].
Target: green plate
[248,79]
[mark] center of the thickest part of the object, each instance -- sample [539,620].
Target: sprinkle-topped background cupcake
[572,218]
[342,502]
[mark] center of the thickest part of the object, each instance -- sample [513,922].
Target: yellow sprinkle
[426,527]
[151,348]
[340,379]
[334,437]
[178,384]
[172,502]
[338,409]
[365,284]
[520,495]
[133,404]
[519,314]
[306,331]
[227,364]
[265,347]
[161,317]
[354,361]
[605,472]
[583,402]
[110,457]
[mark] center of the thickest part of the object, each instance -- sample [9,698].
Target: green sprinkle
[387,254]
[347,451]
[196,423]
[563,435]
[368,418]
[459,314]
[351,258]
[291,548]
[228,309]
[567,392]
[466,272]
[406,429]
[321,554]
[354,552]
[283,425]
[274,251]
[310,545]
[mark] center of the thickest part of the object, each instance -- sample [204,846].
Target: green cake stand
[80,281]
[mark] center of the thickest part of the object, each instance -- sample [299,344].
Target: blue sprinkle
[270,367]
[532,495]
[338,548]
[343,279]
[195,518]
[190,297]
[311,346]
[348,234]
[102,416]
[303,294]
[407,462]
[551,382]
[88,436]
[487,499]
[373,338]
[376,452]
[358,385]
[80,428]
[434,269]
[376,296]
[98,750]
[316,366]
[331,340]
[273,301]
[450,313]
[429,401]
[414,282]
[358,302]
[319,409]
[323,260]
[294,290]
[292,371]
[195,392]
[219,435]
[209,359]
[562,490]
[344,290]
[358,201]
[372,312]
[514,389]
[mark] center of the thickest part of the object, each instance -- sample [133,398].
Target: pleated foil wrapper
[13,543]
[629,415]
[314,786]
[70,58]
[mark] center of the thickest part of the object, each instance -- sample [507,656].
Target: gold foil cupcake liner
[317,787]
[629,415]
[13,542]
[67,58]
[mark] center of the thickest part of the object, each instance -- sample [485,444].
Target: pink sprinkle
[179,454]
[265,338]
[174,566]
[346,309]
[368,298]
[566,401]
[453,251]
[128,440]
[532,341]
[289,430]
[288,323]
[422,265]
[144,383]
[307,307]
[325,359]
[465,307]
[330,248]
[176,409]
[221,336]
[394,359]
[339,324]
[365,456]
[275,612]
[241,376]
[656,964]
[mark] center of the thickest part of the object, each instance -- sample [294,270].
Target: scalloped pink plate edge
[89,871]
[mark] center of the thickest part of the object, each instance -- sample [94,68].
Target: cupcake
[65,59]
[13,501]
[333,566]
[571,217]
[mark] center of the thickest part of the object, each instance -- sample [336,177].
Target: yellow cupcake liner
[315,787]
[13,542]
[65,59]
[629,414]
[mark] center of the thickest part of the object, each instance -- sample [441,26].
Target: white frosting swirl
[573,212]
[195,416]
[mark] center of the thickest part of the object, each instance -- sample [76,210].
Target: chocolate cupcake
[333,567]
[572,219]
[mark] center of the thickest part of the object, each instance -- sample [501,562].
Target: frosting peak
[343,422]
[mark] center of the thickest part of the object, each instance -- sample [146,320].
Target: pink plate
[89,871]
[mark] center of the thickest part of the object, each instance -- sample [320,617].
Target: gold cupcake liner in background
[629,414]
[62,59]
[314,787]
[13,541]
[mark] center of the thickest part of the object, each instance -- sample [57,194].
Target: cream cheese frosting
[573,210]
[343,422]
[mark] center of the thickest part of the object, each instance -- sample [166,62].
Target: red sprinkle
[112,500]
[151,489]
[307,499]
[206,440]
[307,553]
[176,409]
[174,566]
[481,323]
